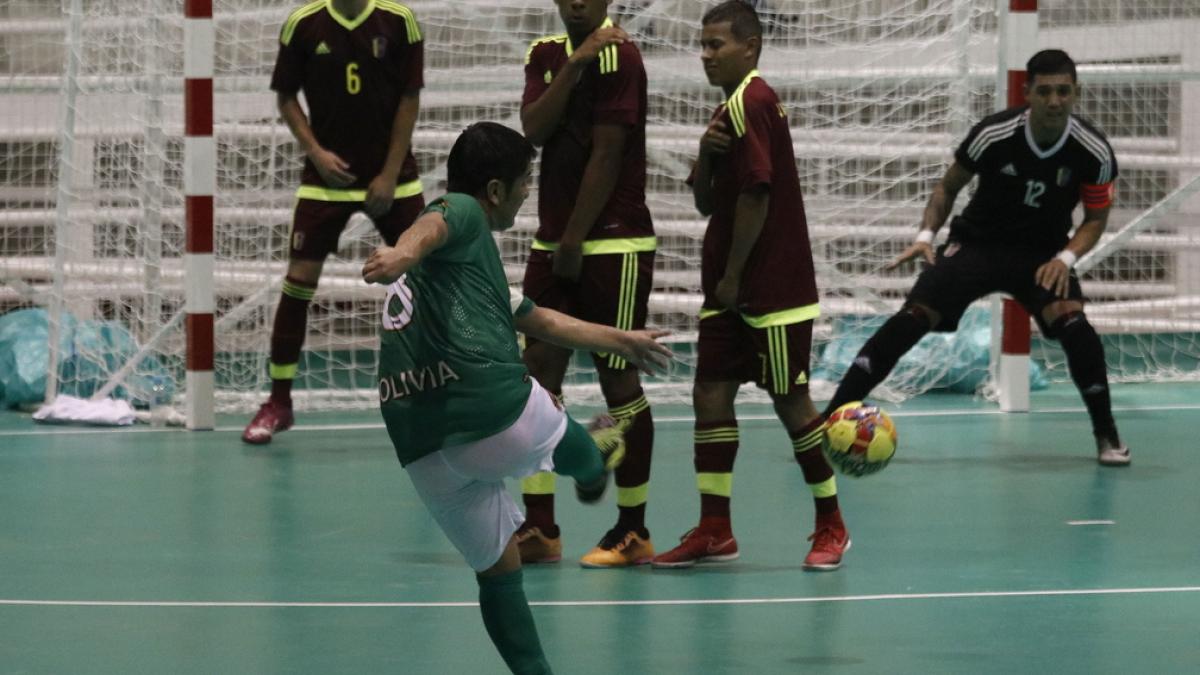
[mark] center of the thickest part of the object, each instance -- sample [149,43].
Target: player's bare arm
[382,190]
[937,210]
[715,141]
[639,347]
[540,118]
[332,169]
[748,218]
[388,263]
[599,180]
[1055,275]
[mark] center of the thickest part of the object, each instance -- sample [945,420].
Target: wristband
[925,237]
[1067,257]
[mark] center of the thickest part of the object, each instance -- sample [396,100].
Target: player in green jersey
[459,405]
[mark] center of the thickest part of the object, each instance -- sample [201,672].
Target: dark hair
[1050,62]
[743,20]
[485,151]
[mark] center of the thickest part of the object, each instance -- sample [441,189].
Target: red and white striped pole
[199,186]
[1012,374]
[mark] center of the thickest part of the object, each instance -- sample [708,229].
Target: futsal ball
[861,439]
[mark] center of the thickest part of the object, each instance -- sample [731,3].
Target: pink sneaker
[271,418]
[699,545]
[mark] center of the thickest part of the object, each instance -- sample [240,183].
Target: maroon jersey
[611,91]
[779,273]
[353,73]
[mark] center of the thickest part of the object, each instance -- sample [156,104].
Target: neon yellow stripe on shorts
[605,246]
[322,194]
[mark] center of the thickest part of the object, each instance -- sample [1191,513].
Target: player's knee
[1069,327]
[547,363]
[923,314]
[619,386]
[713,401]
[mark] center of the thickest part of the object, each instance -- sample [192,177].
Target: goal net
[877,91]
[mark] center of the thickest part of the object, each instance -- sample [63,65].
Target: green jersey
[450,370]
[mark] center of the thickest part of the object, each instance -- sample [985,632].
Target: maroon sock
[539,513]
[287,336]
[634,472]
[716,446]
[806,444]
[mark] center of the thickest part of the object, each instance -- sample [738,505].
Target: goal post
[103,216]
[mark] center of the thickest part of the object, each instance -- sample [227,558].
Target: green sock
[509,623]
[577,455]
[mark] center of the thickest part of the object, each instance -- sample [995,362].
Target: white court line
[682,419]
[1091,522]
[619,603]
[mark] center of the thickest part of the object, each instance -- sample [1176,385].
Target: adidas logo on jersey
[1009,170]
[322,48]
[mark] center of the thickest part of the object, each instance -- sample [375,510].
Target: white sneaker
[1112,454]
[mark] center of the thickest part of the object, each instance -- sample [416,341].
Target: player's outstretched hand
[716,139]
[333,169]
[599,39]
[380,195]
[1055,277]
[383,266]
[918,249]
[642,349]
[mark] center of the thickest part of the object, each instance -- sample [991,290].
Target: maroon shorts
[775,358]
[317,224]
[612,289]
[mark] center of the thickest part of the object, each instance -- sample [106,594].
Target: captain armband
[1096,196]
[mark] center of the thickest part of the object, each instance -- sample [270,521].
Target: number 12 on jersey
[1033,191]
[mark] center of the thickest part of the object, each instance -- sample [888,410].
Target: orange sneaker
[830,543]
[271,418]
[620,548]
[536,548]
[696,546]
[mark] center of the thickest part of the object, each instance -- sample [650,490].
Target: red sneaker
[699,545]
[273,416]
[830,542]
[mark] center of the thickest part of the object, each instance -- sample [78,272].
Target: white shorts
[463,485]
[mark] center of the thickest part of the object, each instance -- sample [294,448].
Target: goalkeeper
[1035,164]
[459,404]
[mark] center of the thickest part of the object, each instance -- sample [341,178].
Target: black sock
[1085,360]
[877,358]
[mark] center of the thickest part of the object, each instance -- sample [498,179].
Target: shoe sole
[263,441]
[602,566]
[1118,461]
[727,557]
[829,567]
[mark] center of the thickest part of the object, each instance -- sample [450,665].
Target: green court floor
[993,544]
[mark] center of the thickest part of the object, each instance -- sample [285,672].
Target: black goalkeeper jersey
[1026,193]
